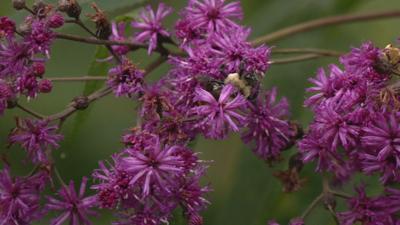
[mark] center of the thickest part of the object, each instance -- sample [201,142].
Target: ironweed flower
[73,205]
[218,116]
[212,15]
[268,126]
[35,136]
[150,23]
[125,79]
[19,198]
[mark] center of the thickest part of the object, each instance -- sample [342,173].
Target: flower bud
[18,4]
[38,69]
[45,86]
[70,7]
[56,20]
[81,102]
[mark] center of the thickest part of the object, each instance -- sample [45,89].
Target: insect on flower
[247,84]
[390,60]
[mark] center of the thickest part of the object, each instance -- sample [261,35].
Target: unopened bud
[38,69]
[18,4]
[45,86]
[56,20]
[81,102]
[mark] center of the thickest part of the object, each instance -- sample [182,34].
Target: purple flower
[35,136]
[231,49]
[219,116]
[7,27]
[336,128]
[362,61]
[324,88]
[5,94]
[19,199]
[365,210]
[118,34]
[113,185]
[191,194]
[213,15]
[268,126]
[40,38]
[125,79]
[381,138]
[154,166]
[14,58]
[313,148]
[73,206]
[151,25]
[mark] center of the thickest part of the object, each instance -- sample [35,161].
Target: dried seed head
[70,7]
[18,4]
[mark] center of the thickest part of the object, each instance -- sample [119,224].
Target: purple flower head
[40,38]
[336,127]
[365,210]
[190,193]
[361,61]
[35,136]
[154,166]
[323,87]
[218,116]
[213,15]
[231,49]
[14,58]
[125,79]
[19,199]
[268,126]
[381,138]
[199,61]
[7,27]
[151,25]
[113,185]
[5,94]
[118,34]
[313,147]
[185,32]
[28,85]
[72,205]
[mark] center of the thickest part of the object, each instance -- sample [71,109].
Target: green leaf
[96,68]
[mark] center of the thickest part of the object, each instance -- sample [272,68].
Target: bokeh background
[245,192]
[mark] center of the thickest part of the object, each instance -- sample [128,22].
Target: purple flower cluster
[73,206]
[21,57]
[372,210]
[212,90]
[20,198]
[355,125]
[36,137]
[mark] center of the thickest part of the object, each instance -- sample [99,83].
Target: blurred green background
[245,192]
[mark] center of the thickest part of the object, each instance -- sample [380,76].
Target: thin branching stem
[83,78]
[30,111]
[323,22]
